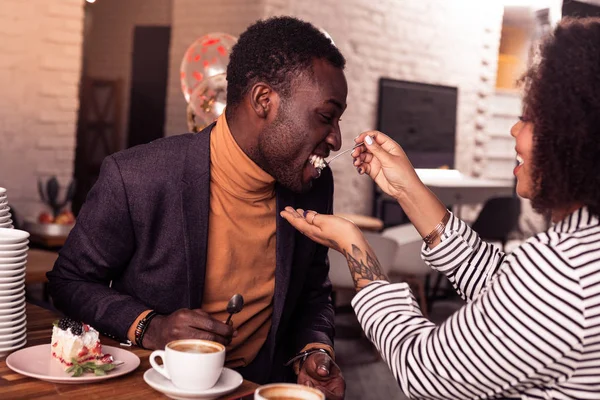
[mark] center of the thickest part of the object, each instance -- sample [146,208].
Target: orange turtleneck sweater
[241,246]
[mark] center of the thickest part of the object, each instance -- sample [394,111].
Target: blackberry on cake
[77,347]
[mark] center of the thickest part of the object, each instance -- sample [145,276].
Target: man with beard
[172,229]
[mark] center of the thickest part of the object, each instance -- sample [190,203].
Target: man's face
[306,124]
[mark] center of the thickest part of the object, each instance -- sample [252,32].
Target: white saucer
[227,383]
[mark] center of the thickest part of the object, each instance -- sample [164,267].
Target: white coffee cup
[191,364]
[275,391]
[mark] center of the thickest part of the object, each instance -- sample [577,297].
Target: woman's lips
[517,168]
[519,164]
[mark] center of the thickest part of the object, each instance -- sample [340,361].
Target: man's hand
[186,324]
[321,372]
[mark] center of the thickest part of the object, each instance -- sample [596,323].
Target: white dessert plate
[14,341]
[16,289]
[13,260]
[13,304]
[16,280]
[227,383]
[16,246]
[12,297]
[15,328]
[36,362]
[13,266]
[16,276]
[7,312]
[13,253]
[7,350]
[12,320]
[12,284]
[20,334]
[13,236]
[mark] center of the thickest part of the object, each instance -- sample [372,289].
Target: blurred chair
[408,266]
[497,219]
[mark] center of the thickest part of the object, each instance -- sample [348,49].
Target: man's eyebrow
[336,103]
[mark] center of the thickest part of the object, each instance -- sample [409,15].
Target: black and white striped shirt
[530,328]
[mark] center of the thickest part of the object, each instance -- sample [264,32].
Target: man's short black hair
[274,51]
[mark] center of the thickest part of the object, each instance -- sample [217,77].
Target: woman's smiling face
[522,131]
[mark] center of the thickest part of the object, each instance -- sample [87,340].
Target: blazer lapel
[195,202]
[284,256]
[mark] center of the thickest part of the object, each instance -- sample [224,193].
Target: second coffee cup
[287,391]
[191,364]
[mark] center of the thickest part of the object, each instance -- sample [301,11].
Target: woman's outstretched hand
[329,230]
[385,162]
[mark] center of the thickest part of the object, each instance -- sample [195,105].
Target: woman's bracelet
[438,230]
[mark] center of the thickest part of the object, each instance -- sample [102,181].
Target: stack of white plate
[13,258]
[5,217]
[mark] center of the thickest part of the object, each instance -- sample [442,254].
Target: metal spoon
[344,152]
[234,306]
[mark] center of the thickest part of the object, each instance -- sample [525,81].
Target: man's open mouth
[318,163]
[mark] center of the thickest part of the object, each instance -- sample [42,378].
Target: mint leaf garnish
[89,366]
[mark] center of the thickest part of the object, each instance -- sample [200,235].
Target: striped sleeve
[525,330]
[468,262]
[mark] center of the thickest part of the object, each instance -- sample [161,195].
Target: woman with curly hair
[531,325]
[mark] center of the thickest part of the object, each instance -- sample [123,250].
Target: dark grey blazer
[144,227]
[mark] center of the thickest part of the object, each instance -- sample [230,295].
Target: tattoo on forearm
[364,266]
[333,244]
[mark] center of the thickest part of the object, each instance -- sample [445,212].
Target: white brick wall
[452,43]
[192,19]
[40,43]
[109,43]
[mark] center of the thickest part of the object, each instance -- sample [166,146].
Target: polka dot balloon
[207,56]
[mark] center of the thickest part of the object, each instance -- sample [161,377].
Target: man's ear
[263,99]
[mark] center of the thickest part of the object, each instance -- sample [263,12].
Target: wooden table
[50,242]
[130,386]
[38,263]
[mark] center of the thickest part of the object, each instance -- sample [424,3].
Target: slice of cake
[76,344]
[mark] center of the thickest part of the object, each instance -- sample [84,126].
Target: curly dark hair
[274,51]
[562,100]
